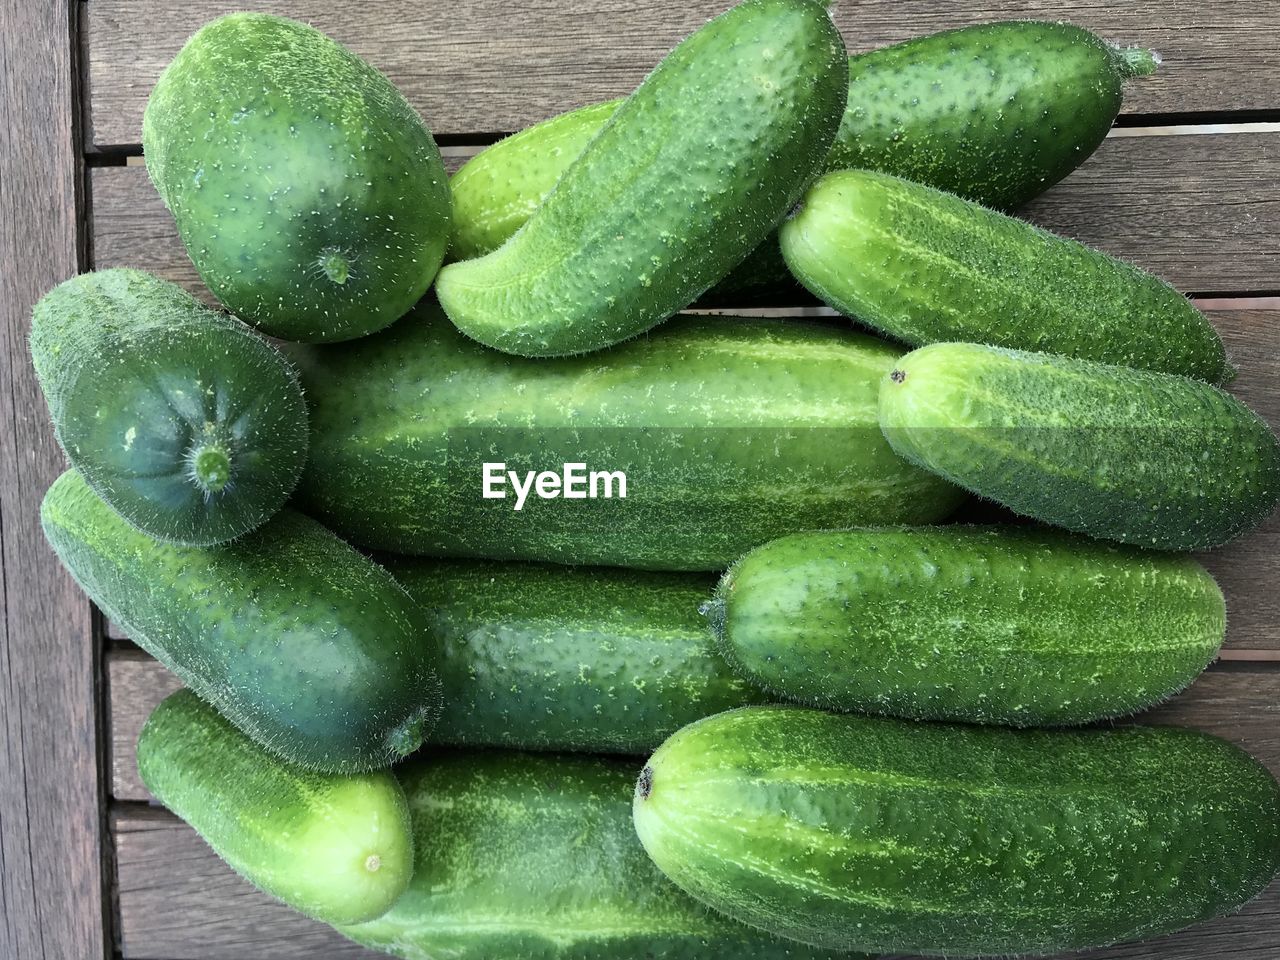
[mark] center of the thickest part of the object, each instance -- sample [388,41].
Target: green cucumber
[997,113]
[310,196]
[1144,458]
[337,847]
[534,858]
[596,660]
[923,266]
[873,834]
[730,433]
[187,423]
[686,178]
[978,624]
[301,642]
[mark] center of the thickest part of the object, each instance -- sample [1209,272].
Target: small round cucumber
[183,420]
[684,180]
[524,857]
[1144,458]
[865,833]
[301,642]
[589,659]
[978,624]
[310,196]
[338,848]
[923,266]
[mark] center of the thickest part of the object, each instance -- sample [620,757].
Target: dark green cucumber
[885,835]
[1129,455]
[310,196]
[979,624]
[534,858]
[684,180]
[337,847]
[923,266]
[568,658]
[301,642]
[187,423]
[730,433]
[996,113]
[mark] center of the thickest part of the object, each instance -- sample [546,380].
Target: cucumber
[188,424]
[923,266]
[1143,458]
[534,857]
[688,175]
[885,835]
[336,847]
[979,624]
[310,196]
[301,642]
[730,433]
[997,113]
[596,660]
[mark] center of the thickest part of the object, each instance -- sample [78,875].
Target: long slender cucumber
[1144,458]
[980,624]
[885,835]
[337,847]
[686,178]
[730,432]
[923,266]
[598,660]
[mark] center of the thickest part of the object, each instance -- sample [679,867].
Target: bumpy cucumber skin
[336,847]
[731,432]
[581,659]
[977,624]
[886,835]
[1144,458]
[997,113]
[686,178]
[142,380]
[301,642]
[534,857]
[923,266]
[310,196]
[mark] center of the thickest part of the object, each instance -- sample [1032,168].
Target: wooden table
[87,867]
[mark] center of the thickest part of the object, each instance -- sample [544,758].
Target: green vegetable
[188,424]
[729,432]
[923,266]
[599,660]
[997,113]
[309,195]
[1129,455]
[534,858]
[874,834]
[981,624]
[296,638]
[338,848]
[684,180]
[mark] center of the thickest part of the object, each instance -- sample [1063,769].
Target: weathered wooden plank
[1201,211]
[177,900]
[51,828]
[484,65]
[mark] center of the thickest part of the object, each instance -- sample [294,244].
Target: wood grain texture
[51,825]
[1201,211]
[486,65]
[178,901]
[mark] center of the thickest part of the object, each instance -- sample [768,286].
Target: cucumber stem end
[209,466]
[1135,61]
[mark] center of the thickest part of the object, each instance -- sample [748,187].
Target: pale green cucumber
[338,848]
[885,835]
[1145,458]
[923,266]
[683,181]
[979,624]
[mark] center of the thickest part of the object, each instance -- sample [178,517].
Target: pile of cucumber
[847,732]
